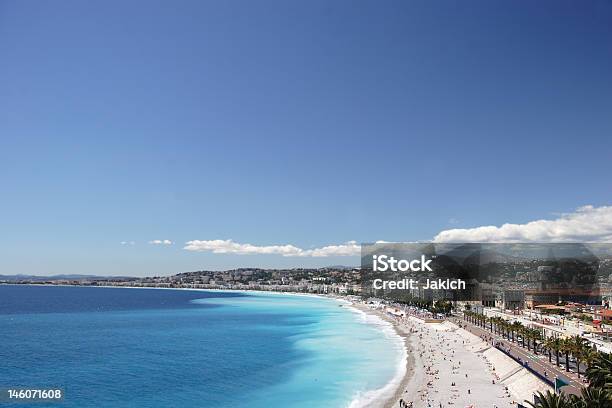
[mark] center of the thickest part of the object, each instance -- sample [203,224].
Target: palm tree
[578,353]
[589,355]
[549,345]
[551,400]
[556,346]
[504,327]
[535,335]
[599,372]
[508,328]
[579,344]
[592,398]
[566,348]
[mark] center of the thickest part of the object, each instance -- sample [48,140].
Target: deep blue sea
[119,347]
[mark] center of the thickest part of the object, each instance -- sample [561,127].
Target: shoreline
[379,397]
[407,363]
[437,350]
[375,398]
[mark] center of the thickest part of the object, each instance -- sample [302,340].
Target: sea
[133,347]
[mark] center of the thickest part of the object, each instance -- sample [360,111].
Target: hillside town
[332,280]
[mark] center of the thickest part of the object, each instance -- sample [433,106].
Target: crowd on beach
[446,373]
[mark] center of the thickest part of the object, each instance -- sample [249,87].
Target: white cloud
[220,246]
[350,248]
[161,242]
[586,224]
[127,242]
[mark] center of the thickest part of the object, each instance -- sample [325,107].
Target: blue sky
[290,123]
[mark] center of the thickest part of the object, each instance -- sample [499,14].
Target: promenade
[537,363]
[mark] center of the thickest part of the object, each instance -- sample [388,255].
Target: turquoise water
[110,347]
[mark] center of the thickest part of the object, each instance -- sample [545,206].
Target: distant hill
[340,267]
[39,278]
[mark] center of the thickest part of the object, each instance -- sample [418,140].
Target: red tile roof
[604,312]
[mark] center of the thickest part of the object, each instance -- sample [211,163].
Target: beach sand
[450,367]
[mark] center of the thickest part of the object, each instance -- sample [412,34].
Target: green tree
[536,335]
[599,373]
[556,346]
[567,347]
[589,355]
[549,345]
[579,344]
[551,400]
[592,397]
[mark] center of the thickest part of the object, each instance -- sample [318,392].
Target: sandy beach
[447,366]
